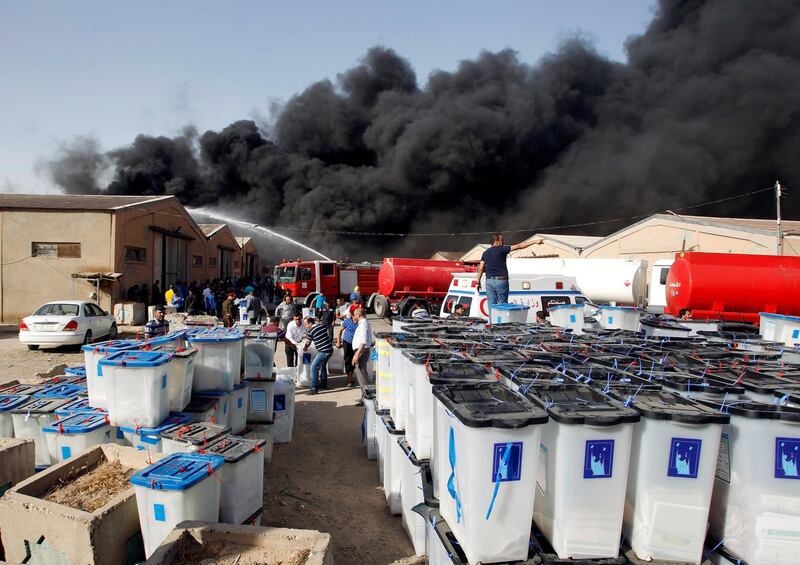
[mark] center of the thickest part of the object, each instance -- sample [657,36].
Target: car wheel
[87,339]
[112,333]
[33,347]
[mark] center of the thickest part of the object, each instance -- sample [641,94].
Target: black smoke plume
[707,106]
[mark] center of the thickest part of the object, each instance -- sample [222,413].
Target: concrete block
[17,461]
[35,530]
[201,542]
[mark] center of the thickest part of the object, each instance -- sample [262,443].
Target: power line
[521,230]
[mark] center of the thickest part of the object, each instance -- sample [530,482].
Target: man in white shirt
[362,341]
[295,336]
[342,309]
[419,311]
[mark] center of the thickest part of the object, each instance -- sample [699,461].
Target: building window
[197,261]
[212,261]
[135,254]
[60,250]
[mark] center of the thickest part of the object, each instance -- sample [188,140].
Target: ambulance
[538,292]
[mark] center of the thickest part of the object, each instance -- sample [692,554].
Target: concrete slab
[223,544]
[35,530]
[17,458]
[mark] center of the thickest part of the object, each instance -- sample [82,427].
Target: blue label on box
[225,408]
[513,463]
[787,453]
[684,458]
[373,354]
[159,512]
[795,334]
[66,452]
[610,320]
[120,435]
[164,380]
[598,459]
[239,402]
[258,400]
[280,402]
[99,370]
[572,318]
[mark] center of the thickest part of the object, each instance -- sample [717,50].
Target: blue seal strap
[451,481]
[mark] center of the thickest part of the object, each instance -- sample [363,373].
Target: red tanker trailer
[385,287]
[402,281]
[733,287]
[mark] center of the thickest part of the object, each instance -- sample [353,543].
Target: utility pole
[778,210]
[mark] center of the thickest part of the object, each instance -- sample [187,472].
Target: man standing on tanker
[493,262]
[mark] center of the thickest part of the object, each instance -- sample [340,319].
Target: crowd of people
[209,297]
[299,332]
[224,299]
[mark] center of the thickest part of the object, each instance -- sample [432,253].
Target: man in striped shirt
[158,325]
[318,334]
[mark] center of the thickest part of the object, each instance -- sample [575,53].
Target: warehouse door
[225,264]
[174,260]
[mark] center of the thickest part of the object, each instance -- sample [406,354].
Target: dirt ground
[17,362]
[321,481]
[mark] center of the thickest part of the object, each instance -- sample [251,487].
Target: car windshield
[57,310]
[284,274]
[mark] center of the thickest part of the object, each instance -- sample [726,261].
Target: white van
[538,292]
[657,295]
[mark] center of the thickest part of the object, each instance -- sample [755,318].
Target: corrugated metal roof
[211,229]
[747,225]
[75,202]
[761,225]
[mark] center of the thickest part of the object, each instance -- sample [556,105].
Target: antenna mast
[779,247]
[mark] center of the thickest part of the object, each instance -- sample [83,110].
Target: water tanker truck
[732,286]
[401,282]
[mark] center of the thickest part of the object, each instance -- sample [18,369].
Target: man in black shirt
[493,262]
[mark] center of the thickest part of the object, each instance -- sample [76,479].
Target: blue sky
[112,69]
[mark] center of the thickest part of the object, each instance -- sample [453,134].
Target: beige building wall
[475,253]
[548,248]
[28,282]
[222,246]
[132,230]
[249,252]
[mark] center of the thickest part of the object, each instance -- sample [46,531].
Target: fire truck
[307,279]
[388,288]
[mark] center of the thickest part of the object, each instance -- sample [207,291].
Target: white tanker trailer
[603,281]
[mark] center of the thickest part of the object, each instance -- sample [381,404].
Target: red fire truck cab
[306,279]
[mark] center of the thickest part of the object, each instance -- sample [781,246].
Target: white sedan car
[66,322]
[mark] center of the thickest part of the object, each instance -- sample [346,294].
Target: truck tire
[380,305]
